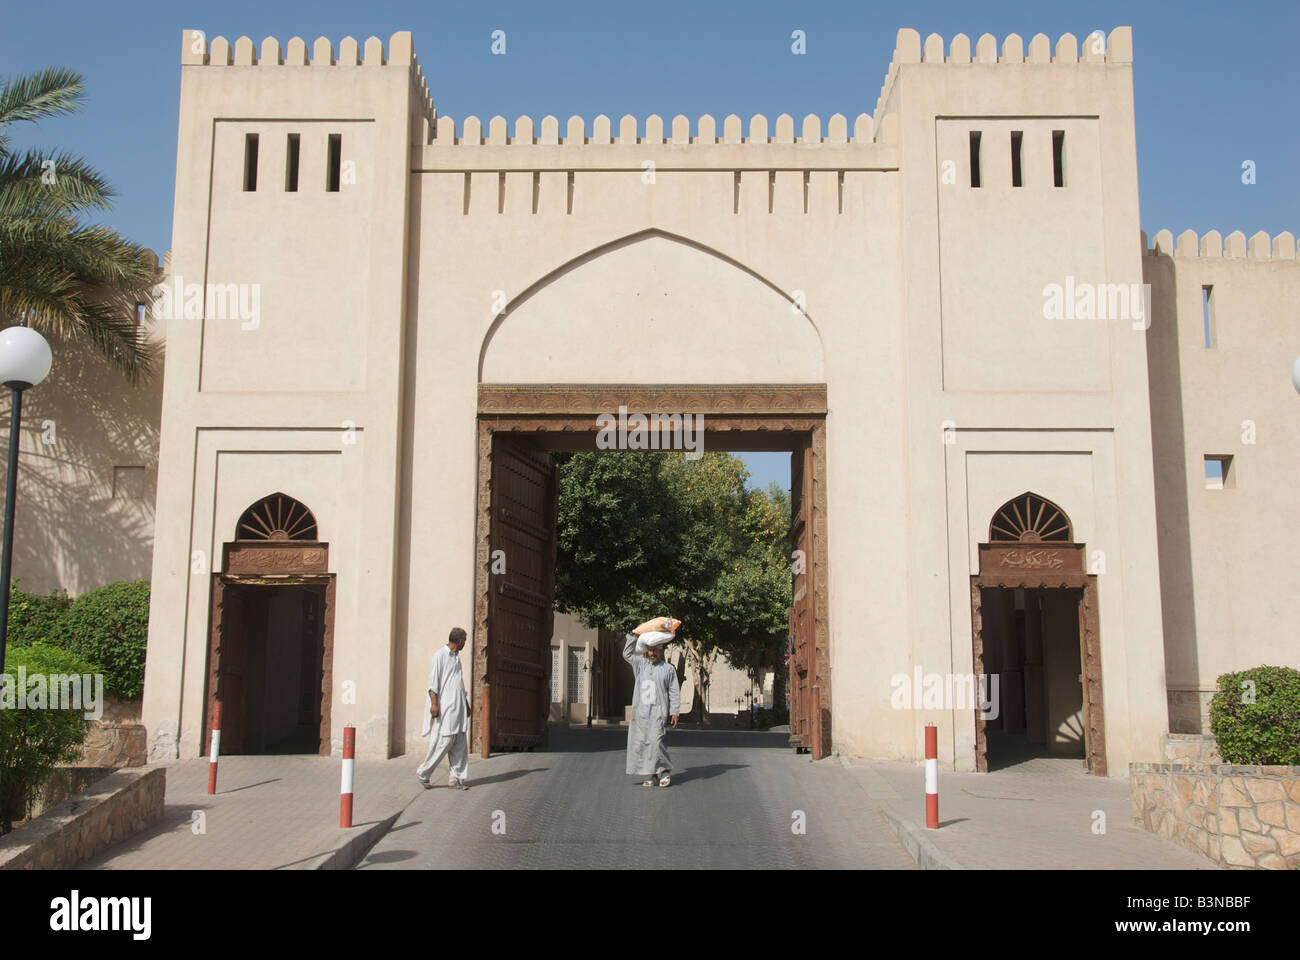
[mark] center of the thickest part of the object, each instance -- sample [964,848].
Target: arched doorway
[518,426]
[272,632]
[1034,628]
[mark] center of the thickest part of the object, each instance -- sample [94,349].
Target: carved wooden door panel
[521,593]
[804,732]
[227,664]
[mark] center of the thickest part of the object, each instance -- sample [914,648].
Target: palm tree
[70,279]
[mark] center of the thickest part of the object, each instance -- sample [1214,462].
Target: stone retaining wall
[118,806]
[118,738]
[1242,817]
[1191,748]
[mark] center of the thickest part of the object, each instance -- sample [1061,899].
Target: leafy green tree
[59,274]
[652,533]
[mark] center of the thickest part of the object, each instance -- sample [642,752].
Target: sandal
[647,783]
[665,780]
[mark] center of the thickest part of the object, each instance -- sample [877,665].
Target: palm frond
[41,182]
[45,93]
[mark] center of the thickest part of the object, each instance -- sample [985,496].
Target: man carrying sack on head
[656,697]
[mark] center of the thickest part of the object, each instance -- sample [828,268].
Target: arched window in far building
[276,517]
[1030,519]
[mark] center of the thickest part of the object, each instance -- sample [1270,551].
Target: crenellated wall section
[1224,332]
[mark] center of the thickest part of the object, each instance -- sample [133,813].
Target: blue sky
[1215,83]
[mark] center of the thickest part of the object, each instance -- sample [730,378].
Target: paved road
[732,804]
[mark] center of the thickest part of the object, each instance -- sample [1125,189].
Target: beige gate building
[936,306]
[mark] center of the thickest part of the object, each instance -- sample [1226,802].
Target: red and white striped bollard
[931,777]
[216,748]
[345,792]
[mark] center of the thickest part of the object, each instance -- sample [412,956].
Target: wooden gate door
[805,709]
[521,594]
[227,664]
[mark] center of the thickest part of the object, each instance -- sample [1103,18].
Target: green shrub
[34,741]
[109,627]
[1265,731]
[36,619]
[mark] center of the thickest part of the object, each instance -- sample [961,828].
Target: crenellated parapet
[1097,47]
[630,131]
[1213,245]
[197,50]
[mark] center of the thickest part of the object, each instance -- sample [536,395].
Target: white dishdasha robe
[446,733]
[656,696]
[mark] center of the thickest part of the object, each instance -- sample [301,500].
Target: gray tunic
[656,696]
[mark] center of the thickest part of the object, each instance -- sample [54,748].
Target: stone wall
[1191,748]
[63,783]
[118,806]
[118,738]
[1241,817]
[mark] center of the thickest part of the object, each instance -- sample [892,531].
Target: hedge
[108,627]
[33,618]
[34,741]
[1255,716]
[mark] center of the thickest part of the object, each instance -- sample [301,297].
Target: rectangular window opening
[291,164]
[250,162]
[335,163]
[974,158]
[1058,158]
[1218,471]
[576,677]
[1017,137]
[1207,314]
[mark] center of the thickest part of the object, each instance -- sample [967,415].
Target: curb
[355,849]
[913,838]
[350,854]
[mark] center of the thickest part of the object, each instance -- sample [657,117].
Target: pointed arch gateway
[552,362]
[1032,594]
[271,633]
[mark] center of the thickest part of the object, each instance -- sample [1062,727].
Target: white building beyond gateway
[980,488]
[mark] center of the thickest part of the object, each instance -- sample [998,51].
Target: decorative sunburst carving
[1030,519]
[277,517]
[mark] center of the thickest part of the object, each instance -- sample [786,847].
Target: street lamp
[24,362]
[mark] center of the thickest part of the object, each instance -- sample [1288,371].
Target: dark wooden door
[228,665]
[521,599]
[311,657]
[805,727]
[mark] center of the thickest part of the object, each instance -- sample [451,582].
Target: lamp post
[24,362]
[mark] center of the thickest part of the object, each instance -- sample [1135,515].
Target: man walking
[446,717]
[655,698]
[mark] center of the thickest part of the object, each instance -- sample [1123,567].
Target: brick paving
[732,805]
[268,813]
[1036,814]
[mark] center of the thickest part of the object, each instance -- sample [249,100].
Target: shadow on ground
[600,739]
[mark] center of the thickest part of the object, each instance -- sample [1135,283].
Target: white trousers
[454,748]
